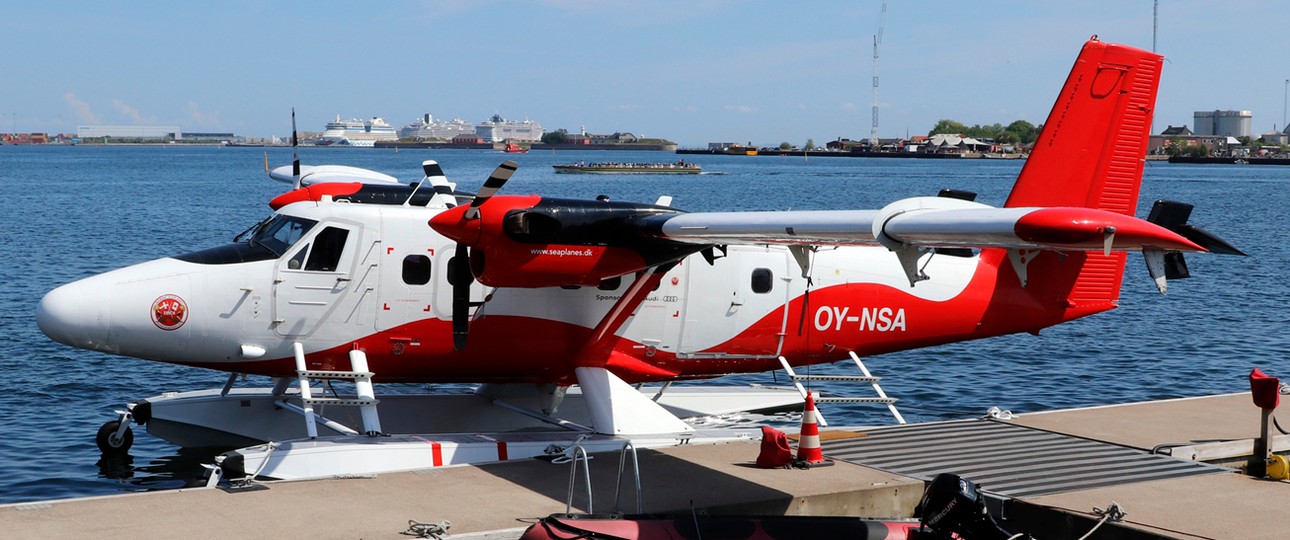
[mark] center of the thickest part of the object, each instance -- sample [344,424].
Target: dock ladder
[865,377]
[365,400]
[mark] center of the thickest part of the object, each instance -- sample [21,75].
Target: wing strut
[598,351]
[802,254]
[616,408]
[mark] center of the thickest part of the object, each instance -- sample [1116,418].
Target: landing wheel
[110,443]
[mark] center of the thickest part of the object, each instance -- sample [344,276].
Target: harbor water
[70,212]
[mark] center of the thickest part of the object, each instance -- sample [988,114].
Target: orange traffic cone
[808,443]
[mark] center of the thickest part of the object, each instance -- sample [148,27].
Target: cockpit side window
[298,259]
[328,247]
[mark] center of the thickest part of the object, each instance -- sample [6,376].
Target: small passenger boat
[646,527]
[679,167]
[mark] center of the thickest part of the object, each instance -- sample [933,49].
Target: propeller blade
[461,280]
[295,150]
[442,188]
[494,183]
[431,168]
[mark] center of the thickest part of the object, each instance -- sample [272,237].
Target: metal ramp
[865,377]
[1008,459]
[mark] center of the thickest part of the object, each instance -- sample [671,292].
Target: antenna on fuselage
[295,151]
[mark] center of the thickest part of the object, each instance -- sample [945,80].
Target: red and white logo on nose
[169,312]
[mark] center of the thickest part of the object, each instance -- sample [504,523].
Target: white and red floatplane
[359,277]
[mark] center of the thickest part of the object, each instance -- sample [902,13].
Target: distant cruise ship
[498,129]
[355,132]
[427,127]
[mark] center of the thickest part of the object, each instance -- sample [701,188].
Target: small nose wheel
[115,437]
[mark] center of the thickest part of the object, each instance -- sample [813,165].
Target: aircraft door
[736,306]
[407,271]
[314,277]
[406,288]
[658,321]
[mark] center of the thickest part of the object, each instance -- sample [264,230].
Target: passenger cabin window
[610,284]
[416,269]
[763,280]
[328,247]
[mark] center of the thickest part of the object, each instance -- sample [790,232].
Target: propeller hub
[453,224]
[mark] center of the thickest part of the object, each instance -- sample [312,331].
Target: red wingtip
[315,193]
[1086,228]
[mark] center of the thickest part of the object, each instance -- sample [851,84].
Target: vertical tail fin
[1090,152]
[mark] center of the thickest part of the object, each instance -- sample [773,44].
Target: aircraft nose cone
[72,316]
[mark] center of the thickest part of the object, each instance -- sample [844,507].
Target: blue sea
[70,212]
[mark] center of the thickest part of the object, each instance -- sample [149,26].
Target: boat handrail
[579,454]
[636,473]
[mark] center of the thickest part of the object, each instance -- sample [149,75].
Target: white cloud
[132,113]
[202,118]
[741,109]
[81,108]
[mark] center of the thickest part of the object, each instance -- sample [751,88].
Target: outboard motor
[951,506]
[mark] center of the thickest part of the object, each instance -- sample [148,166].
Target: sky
[691,71]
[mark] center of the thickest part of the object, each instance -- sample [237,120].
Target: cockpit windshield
[267,240]
[280,233]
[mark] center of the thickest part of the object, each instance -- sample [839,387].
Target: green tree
[947,126]
[810,144]
[785,146]
[559,136]
[1024,131]
[1018,132]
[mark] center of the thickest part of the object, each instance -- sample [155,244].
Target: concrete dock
[499,500]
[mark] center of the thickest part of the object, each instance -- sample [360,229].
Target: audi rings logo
[169,312]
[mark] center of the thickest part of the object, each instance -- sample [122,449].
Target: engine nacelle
[914,205]
[503,263]
[526,241]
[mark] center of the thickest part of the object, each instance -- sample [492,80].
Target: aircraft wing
[320,174]
[911,227]
[928,222]
[817,227]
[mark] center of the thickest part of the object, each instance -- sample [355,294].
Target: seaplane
[560,309]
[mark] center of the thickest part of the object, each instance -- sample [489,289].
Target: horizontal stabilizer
[1173,215]
[1208,240]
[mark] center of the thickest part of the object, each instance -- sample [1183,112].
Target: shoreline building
[1223,123]
[498,129]
[130,132]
